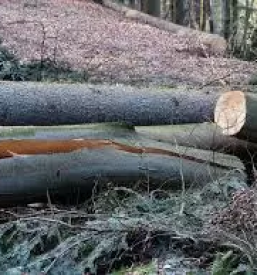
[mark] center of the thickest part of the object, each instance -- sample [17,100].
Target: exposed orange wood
[12,148]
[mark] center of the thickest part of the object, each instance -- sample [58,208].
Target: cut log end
[230,112]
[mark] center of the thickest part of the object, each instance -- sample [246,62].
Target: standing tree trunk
[216,16]
[144,6]
[248,11]
[201,15]
[154,8]
[226,18]
[193,23]
[183,13]
[233,39]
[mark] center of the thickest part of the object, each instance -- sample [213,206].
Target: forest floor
[161,232]
[110,47]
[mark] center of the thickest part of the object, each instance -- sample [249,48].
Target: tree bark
[32,168]
[178,140]
[58,104]
[225,16]
[206,136]
[215,42]
[216,16]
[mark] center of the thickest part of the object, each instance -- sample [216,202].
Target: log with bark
[117,132]
[191,140]
[34,164]
[57,104]
[214,44]
[205,136]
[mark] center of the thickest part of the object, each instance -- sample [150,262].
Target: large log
[30,168]
[211,43]
[179,141]
[59,167]
[236,115]
[56,104]
[203,140]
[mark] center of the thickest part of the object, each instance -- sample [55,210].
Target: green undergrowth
[46,69]
[117,230]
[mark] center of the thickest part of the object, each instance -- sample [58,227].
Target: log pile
[163,139]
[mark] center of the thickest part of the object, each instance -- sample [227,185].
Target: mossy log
[58,104]
[32,168]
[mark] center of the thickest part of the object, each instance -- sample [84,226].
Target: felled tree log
[57,104]
[205,136]
[32,167]
[179,141]
[203,140]
[214,43]
[235,115]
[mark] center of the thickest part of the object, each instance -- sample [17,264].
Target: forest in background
[235,20]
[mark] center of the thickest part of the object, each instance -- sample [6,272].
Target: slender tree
[201,15]
[193,23]
[226,18]
[215,14]
[248,11]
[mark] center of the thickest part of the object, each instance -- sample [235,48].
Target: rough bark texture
[216,16]
[206,136]
[58,104]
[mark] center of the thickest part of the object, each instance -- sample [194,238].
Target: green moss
[253,80]
[11,69]
[148,269]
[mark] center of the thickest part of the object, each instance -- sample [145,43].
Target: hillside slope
[113,48]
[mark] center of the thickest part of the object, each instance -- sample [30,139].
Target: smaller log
[206,136]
